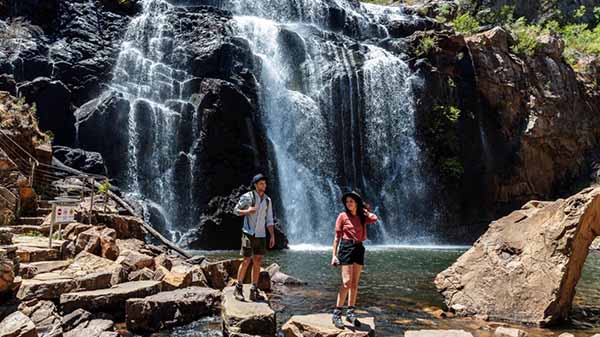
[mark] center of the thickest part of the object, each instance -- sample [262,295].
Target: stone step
[250,318]
[31,220]
[321,325]
[43,211]
[172,308]
[44,204]
[36,254]
[110,300]
[30,270]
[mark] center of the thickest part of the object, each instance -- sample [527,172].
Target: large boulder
[171,308]
[250,318]
[7,275]
[17,325]
[127,227]
[321,325]
[526,266]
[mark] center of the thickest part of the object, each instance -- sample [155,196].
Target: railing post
[91,203]
[32,172]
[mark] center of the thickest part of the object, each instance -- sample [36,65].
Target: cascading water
[158,116]
[338,113]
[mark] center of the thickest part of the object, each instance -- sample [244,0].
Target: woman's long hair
[360,209]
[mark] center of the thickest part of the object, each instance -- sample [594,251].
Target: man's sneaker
[336,319]
[238,292]
[351,317]
[254,294]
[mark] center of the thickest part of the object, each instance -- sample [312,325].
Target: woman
[350,232]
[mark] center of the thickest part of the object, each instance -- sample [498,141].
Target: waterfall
[338,112]
[159,159]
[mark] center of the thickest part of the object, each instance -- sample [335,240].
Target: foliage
[444,12]
[526,37]
[580,40]
[104,187]
[426,45]
[452,168]
[15,113]
[466,24]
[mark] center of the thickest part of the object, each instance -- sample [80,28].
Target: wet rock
[108,300]
[52,99]
[251,318]
[85,161]
[528,262]
[17,325]
[438,333]
[100,241]
[509,332]
[45,316]
[171,308]
[321,325]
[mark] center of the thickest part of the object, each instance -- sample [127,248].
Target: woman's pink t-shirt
[349,226]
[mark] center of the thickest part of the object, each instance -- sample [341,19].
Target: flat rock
[526,266]
[171,308]
[29,270]
[108,300]
[320,325]
[92,328]
[438,333]
[509,332]
[251,318]
[17,325]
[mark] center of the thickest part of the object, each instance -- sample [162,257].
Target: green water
[397,288]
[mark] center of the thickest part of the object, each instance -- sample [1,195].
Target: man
[256,208]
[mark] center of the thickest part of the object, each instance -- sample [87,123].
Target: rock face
[86,161]
[44,315]
[320,325]
[526,266]
[249,318]
[100,241]
[171,308]
[528,126]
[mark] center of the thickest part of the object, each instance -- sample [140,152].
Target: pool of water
[397,288]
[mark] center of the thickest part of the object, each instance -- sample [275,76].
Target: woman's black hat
[352,194]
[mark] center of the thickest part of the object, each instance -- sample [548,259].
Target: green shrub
[526,37]
[465,24]
[426,45]
[452,168]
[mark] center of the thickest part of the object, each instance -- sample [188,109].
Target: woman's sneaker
[336,319]
[238,292]
[351,318]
